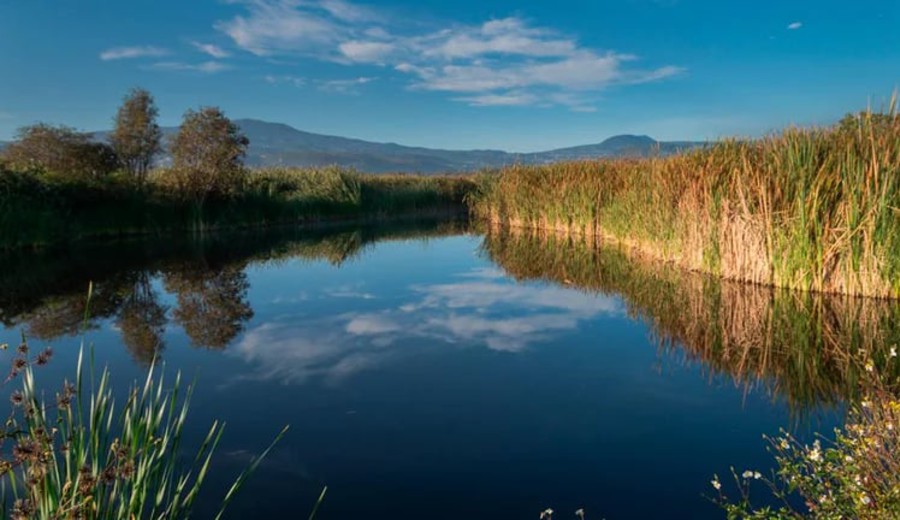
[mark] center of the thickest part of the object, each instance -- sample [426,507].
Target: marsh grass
[41,209]
[809,209]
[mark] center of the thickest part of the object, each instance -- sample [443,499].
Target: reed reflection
[797,346]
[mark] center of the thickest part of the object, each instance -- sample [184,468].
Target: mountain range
[274,144]
[277,144]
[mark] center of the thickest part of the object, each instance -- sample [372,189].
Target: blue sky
[514,75]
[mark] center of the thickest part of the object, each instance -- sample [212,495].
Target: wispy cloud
[285,26]
[213,50]
[344,86]
[206,67]
[296,81]
[124,53]
[506,100]
[794,26]
[500,62]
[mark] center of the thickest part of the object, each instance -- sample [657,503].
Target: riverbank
[807,209]
[38,210]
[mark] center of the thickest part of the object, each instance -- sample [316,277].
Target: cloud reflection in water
[484,309]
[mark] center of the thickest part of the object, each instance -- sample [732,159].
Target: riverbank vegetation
[808,209]
[59,185]
[39,209]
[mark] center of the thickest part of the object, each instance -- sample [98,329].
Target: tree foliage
[136,136]
[60,150]
[207,155]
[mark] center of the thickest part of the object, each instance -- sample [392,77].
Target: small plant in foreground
[855,476]
[79,456]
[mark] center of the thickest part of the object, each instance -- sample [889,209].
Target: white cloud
[500,62]
[344,86]
[346,11]
[510,36]
[366,51]
[206,67]
[503,100]
[284,26]
[794,26]
[124,53]
[213,50]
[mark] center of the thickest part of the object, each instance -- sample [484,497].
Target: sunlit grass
[809,209]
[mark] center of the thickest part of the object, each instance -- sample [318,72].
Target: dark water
[431,372]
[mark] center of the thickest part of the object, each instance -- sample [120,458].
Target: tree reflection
[142,321]
[212,303]
[72,313]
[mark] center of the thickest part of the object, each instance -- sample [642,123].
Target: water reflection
[480,308]
[797,346]
[45,294]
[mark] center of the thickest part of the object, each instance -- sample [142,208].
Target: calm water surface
[428,372]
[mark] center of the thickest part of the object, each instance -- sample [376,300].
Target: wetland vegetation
[806,209]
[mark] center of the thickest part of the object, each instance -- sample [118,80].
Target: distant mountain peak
[630,140]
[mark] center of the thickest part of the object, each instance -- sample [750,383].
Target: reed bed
[801,347]
[39,209]
[807,209]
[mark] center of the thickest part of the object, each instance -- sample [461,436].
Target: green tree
[60,150]
[136,137]
[207,155]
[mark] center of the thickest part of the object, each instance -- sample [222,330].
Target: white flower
[870,367]
[547,513]
[757,475]
[893,352]
[785,445]
[815,454]
[747,474]
[715,483]
[864,498]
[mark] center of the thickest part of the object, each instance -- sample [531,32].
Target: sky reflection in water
[420,379]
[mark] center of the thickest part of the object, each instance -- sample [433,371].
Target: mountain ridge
[279,144]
